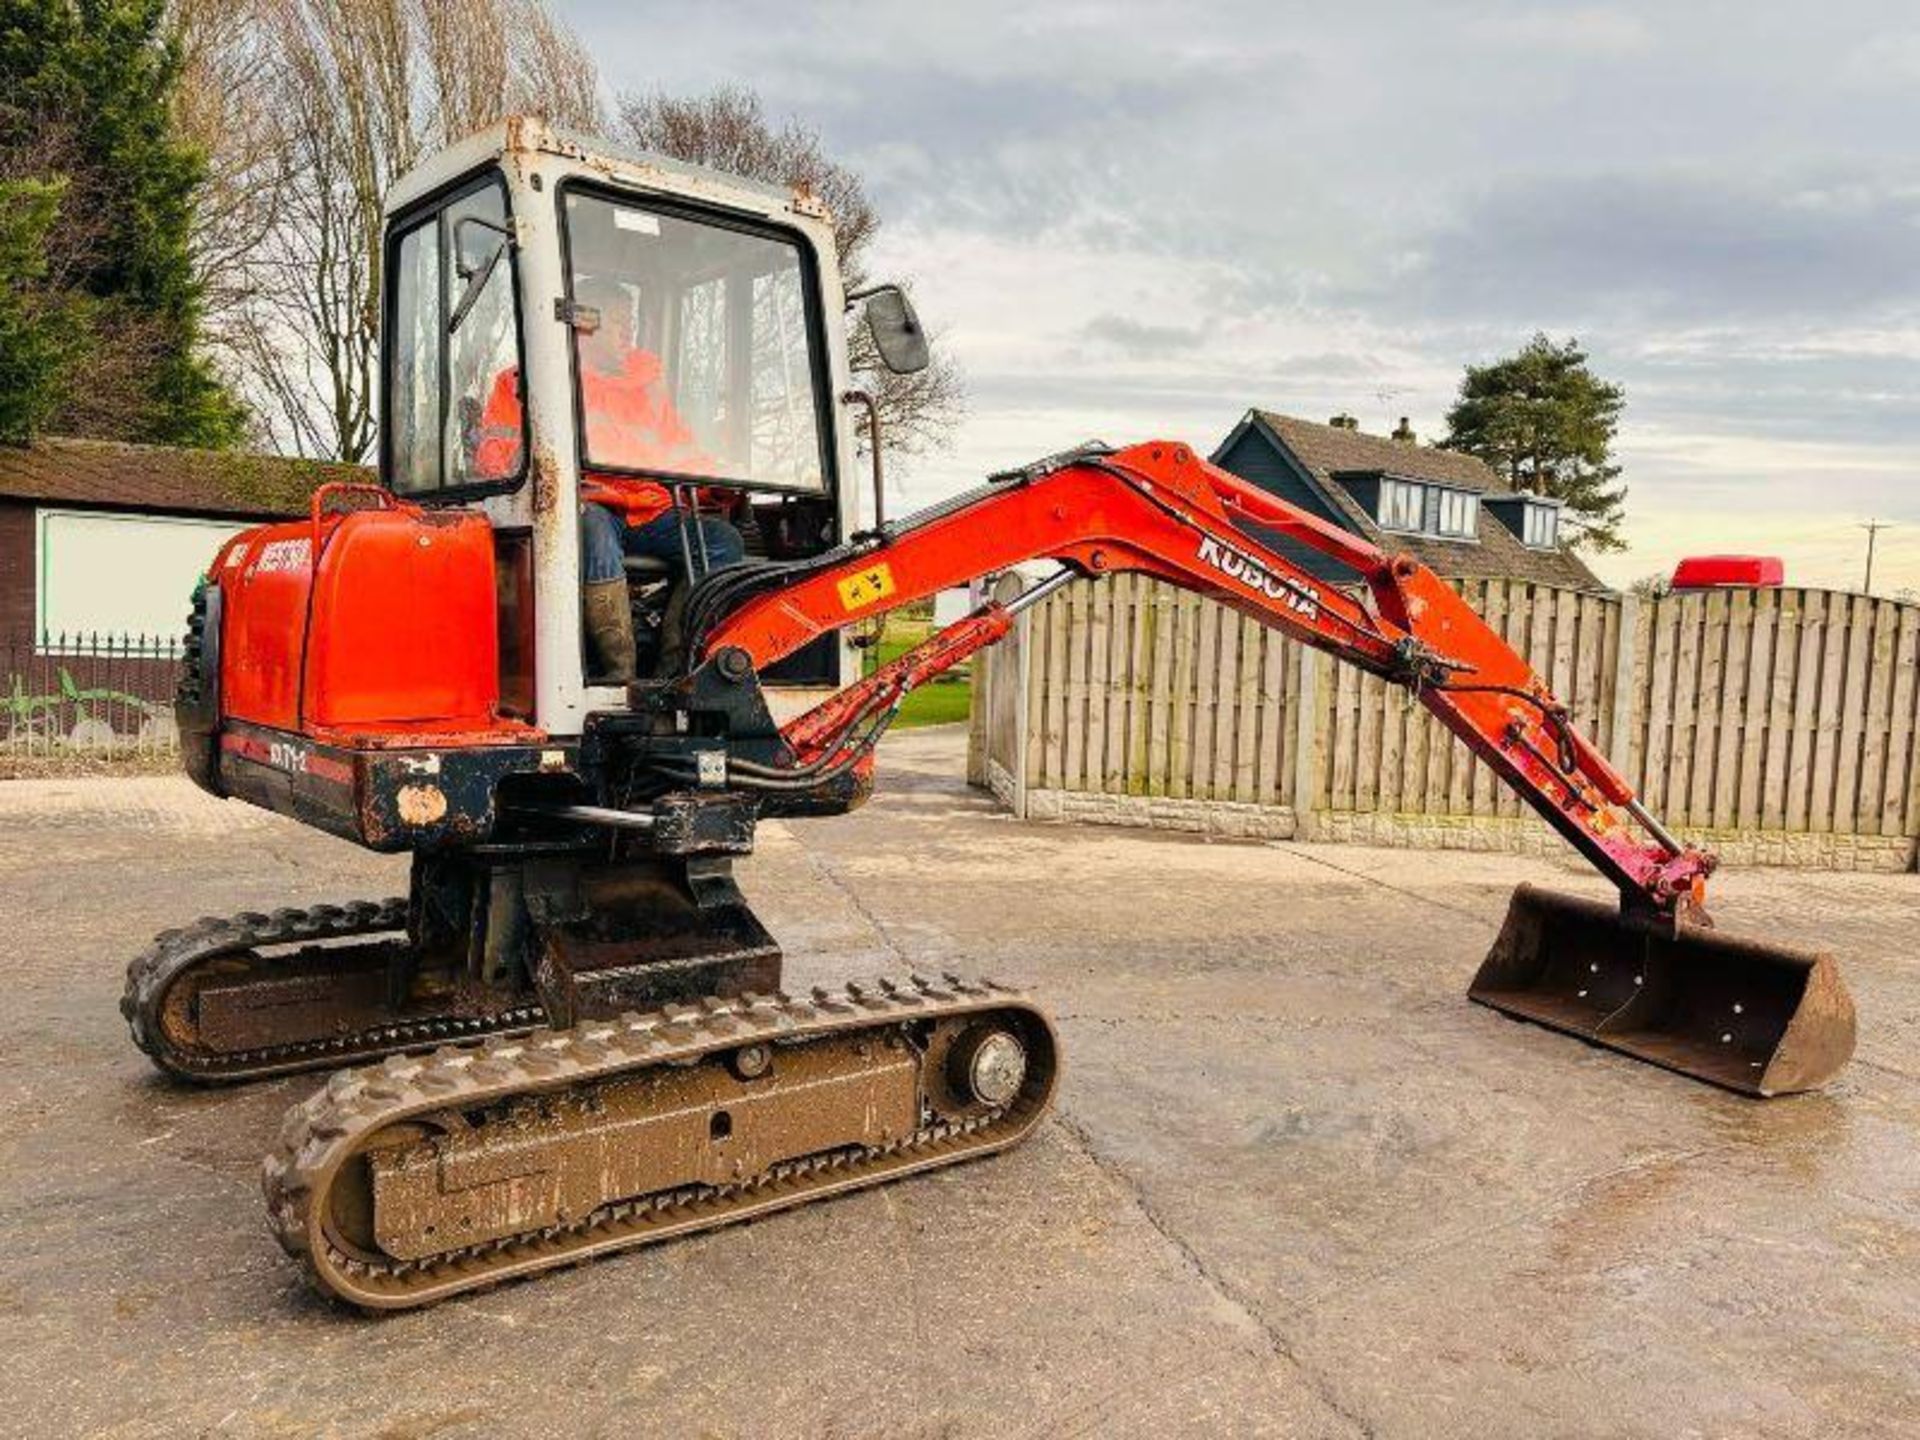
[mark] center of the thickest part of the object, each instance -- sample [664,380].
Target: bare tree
[346,95]
[227,105]
[727,129]
[308,334]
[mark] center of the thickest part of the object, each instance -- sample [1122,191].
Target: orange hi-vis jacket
[630,422]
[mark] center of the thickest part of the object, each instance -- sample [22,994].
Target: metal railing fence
[65,693]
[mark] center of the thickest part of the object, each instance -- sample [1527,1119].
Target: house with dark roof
[1449,511]
[104,539]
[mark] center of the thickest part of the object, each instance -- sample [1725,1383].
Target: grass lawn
[943,701]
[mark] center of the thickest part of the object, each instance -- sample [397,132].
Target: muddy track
[485,1135]
[321,1005]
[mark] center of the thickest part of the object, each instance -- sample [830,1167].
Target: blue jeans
[604,539]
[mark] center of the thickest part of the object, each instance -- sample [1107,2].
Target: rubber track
[175,953]
[320,1135]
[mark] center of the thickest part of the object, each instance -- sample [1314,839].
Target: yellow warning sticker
[869,587]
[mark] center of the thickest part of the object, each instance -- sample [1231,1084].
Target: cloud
[1785,396]
[1884,60]
[1139,338]
[1588,31]
[1675,247]
[1127,218]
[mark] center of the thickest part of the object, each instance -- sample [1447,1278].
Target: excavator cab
[566,321]
[566,326]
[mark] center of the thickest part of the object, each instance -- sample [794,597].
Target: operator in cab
[630,424]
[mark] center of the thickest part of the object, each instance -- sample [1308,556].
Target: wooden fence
[1777,725]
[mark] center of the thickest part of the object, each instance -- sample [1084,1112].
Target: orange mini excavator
[570,1037]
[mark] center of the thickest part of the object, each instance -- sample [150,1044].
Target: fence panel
[1902,739]
[1770,713]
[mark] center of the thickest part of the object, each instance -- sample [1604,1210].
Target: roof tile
[1328,451]
[157,477]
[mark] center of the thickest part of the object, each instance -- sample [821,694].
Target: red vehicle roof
[1710,572]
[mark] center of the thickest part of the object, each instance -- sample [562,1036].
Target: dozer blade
[1758,1018]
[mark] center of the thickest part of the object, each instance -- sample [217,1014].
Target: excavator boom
[1157,509]
[1654,980]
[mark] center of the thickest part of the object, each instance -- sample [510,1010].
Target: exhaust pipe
[1757,1018]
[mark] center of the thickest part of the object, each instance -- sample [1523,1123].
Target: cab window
[456,417]
[696,346]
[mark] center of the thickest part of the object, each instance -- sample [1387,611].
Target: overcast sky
[1132,221]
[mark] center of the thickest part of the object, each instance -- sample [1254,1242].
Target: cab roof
[530,135]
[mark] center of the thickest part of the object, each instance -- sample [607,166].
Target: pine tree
[85,89]
[33,345]
[1546,422]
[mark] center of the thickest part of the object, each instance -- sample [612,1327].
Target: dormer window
[1534,519]
[1541,528]
[1459,514]
[1403,506]
[1413,507]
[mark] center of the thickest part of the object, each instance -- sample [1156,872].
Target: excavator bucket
[1758,1018]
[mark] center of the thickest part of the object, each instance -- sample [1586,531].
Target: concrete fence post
[1306,760]
[1626,674]
[1022,679]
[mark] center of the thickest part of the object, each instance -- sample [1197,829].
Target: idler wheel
[987,1065]
[750,1062]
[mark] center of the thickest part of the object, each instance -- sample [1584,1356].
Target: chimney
[1405,433]
[1344,421]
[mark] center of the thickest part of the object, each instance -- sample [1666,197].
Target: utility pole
[1873,529]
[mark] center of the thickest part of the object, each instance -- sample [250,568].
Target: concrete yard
[1295,1184]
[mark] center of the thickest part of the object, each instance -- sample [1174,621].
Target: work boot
[609,618]
[672,660]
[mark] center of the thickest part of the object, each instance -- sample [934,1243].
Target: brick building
[104,539]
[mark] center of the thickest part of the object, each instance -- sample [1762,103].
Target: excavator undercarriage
[418,1178]
[642,1074]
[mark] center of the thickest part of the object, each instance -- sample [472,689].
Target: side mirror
[896,330]
[475,268]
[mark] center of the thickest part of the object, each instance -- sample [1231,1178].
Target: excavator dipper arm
[1157,509]
[1654,980]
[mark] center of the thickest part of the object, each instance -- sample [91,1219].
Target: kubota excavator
[570,1036]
